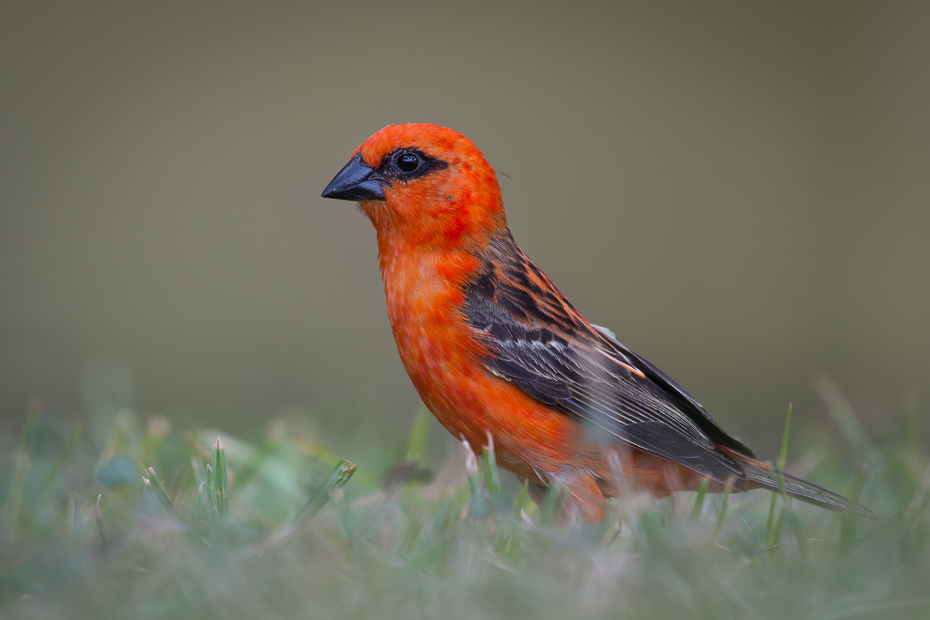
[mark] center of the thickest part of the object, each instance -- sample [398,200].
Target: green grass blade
[336,479]
[491,475]
[844,417]
[550,503]
[477,502]
[699,500]
[158,488]
[848,528]
[783,453]
[211,492]
[724,507]
[774,527]
[98,518]
[419,435]
[53,475]
[221,481]
[521,500]
[15,499]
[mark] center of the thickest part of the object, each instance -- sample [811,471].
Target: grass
[156,524]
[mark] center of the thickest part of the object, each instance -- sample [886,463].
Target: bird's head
[423,182]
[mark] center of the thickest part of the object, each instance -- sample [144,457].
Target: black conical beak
[356,181]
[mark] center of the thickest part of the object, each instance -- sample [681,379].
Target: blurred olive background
[740,190]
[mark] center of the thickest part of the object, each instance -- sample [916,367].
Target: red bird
[494,348]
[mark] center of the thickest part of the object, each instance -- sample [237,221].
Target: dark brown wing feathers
[536,340]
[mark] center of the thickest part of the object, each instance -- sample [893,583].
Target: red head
[424,183]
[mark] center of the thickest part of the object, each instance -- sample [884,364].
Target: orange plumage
[493,347]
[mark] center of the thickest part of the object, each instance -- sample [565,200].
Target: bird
[497,353]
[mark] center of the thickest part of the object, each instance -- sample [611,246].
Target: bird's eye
[407,162]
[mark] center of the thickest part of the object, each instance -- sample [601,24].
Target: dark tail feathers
[763,477]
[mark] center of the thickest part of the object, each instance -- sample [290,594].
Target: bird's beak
[356,181]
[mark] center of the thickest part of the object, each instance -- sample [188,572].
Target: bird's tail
[760,475]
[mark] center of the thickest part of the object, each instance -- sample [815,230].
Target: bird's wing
[685,401]
[536,340]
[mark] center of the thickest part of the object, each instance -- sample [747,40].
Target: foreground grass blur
[166,525]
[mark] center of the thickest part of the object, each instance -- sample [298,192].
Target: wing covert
[536,340]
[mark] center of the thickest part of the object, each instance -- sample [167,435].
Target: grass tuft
[158,524]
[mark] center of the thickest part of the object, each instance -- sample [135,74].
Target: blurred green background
[740,190]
